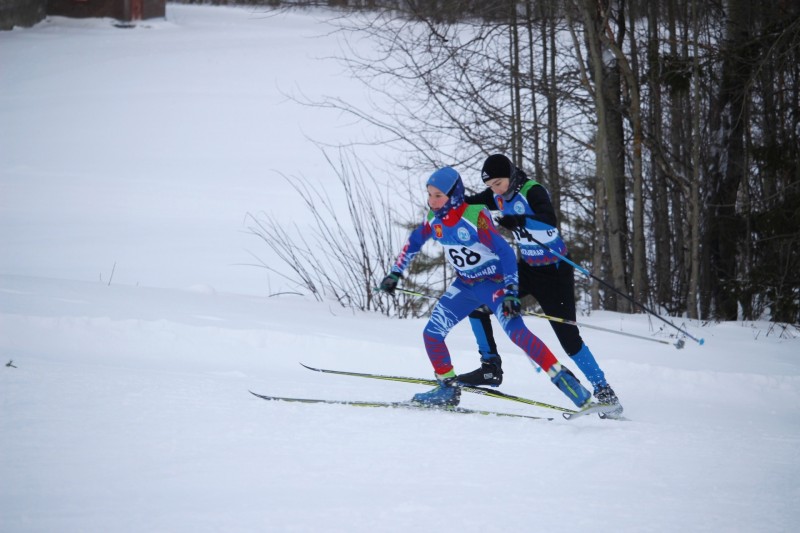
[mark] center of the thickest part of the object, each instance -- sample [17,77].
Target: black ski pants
[553,286]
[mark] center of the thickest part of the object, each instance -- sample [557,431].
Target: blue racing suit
[485,265]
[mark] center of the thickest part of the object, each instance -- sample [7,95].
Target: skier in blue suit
[486,274]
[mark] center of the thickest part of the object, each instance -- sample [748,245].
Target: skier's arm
[485,197]
[412,247]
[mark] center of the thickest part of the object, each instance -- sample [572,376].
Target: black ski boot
[490,373]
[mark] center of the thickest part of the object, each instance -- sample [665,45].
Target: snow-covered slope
[128,410]
[127,406]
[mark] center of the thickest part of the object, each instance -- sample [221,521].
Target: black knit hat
[496,166]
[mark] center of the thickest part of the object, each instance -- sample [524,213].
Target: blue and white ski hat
[447,180]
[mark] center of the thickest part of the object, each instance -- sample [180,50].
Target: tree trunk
[660,214]
[727,168]
[693,290]
[552,115]
[516,90]
[597,237]
[535,126]
[610,145]
[630,71]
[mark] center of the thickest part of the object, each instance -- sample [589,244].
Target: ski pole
[589,274]
[417,294]
[410,293]
[679,344]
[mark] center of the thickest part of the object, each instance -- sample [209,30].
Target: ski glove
[511,305]
[512,222]
[389,283]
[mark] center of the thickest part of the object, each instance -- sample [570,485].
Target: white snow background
[127,408]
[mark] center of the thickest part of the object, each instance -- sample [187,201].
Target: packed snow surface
[124,402]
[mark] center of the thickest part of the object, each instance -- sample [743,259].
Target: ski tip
[309,367]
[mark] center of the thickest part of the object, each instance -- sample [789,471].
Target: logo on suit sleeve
[437,229]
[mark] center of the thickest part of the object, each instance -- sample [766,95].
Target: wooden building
[26,13]
[123,10]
